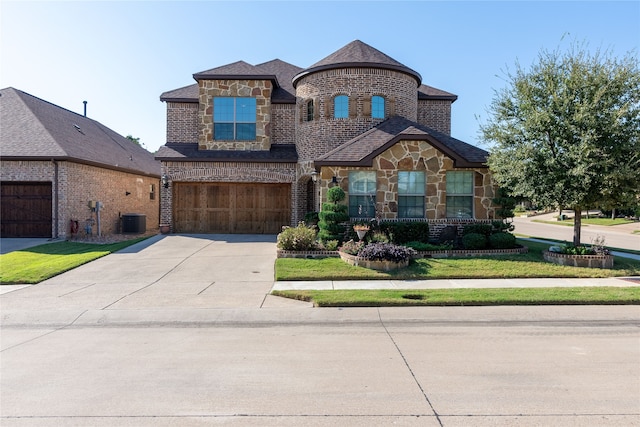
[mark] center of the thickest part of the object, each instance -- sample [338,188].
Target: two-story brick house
[251,148]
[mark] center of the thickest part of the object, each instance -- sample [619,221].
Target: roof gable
[34,129]
[361,150]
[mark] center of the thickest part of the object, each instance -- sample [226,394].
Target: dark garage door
[26,209]
[231,207]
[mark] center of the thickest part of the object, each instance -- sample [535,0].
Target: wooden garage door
[26,209]
[231,207]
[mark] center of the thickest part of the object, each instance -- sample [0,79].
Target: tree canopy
[565,133]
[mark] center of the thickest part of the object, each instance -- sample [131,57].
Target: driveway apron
[165,271]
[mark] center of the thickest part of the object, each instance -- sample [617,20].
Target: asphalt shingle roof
[358,54]
[34,129]
[279,153]
[361,150]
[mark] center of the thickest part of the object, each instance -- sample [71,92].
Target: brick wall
[283,123]
[324,133]
[182,122]
[77,184]
[436,114]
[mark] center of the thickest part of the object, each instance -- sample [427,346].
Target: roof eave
[367,161]
[392,67]
[82,162]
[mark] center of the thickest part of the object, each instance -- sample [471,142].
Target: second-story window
[234,118]
[377,107]
[310,110]
[341,107]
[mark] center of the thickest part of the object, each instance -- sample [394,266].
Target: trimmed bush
[502,241]
[474,241]
[300,238]
[332,216]
[484,229]
[386,252]
[403,232]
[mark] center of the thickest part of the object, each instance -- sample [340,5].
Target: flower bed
[588,261]
[372,264]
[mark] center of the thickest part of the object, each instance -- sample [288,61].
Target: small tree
[567,132]
[332,215]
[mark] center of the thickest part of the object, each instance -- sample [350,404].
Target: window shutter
[353,107]
[327,107]
[366,107]
[392,106]
[316,108]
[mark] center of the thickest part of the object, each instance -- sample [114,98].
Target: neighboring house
[56,165]
[251,148]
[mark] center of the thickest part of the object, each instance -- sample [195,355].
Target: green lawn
[504,266]
[466,297]
[33,265]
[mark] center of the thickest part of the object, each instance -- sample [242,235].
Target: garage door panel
[231,207]
[26,209]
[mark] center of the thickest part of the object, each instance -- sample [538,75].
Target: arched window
[377,107]
[310,110]
[341,107]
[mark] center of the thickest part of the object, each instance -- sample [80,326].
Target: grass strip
[38,263]
[530,265]
[607,222]
[467,297]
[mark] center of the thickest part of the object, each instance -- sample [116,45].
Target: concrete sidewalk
[456,283]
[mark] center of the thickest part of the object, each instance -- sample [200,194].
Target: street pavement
[180,330]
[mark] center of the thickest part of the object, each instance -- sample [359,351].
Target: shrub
[331,216]
[331,245]
[379,237]
[502,241]
[386,252]
[484,229]
[311,218]
[474,241]
[352,247]
[300,238]
[421,246]
[501,226]
[577,250]
[335,194]
[403,232]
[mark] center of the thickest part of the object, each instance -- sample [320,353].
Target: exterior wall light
[314,176]
[165,181]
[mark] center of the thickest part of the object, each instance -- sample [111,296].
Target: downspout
[55,199]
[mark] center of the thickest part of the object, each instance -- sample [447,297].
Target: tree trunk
[577,223]
[613,213]
[560,213]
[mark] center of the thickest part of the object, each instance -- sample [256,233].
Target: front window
[411,194]
[377,107]
[362,194]
[341,107]
[234,119]
[459,194]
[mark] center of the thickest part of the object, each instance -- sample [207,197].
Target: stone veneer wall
[77,184]
[283,123]
[182,122]
[224,172]
[435,114]
[259,89]
[324,133]
[415,156]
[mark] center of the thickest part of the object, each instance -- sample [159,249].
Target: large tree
[565,133]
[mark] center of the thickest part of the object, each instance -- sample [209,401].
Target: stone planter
[374,265]
[164,228]
[587,261]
